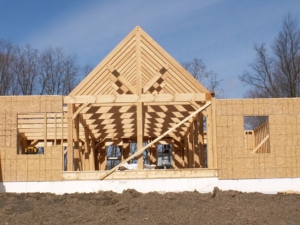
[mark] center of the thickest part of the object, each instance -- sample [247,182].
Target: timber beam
[133,98]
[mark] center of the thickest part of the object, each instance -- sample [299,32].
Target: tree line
[25,70]
[275,73]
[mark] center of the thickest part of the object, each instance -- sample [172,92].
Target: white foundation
[202,185]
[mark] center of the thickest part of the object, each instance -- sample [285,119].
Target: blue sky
[220,32]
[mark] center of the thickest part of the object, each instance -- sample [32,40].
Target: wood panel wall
[236,162]
[14,167]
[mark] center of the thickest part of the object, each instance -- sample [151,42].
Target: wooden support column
[191,146]
[186,149]
[196,144]
[97,155]
[87,149]
[139,106]
[173,154]
[201,140]
[81,154]
[76,145]
[140,133]
[182,151]
[92,155]
[214,132]
[102,157]
[70,137]
[209,138]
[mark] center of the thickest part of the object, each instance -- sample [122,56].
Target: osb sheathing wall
[14,167]
[234,162]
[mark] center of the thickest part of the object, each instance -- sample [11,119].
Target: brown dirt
[132,207]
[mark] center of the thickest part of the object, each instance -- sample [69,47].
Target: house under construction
[139,106]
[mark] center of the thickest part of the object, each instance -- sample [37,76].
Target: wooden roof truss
[137,92]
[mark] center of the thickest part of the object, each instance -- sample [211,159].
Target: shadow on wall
[2,187]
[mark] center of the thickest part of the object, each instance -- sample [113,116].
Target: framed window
[256,134]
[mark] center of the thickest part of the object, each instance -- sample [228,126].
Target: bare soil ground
[132,207]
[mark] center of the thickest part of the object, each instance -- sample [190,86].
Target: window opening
[164,156]
[256,134]
[114,156]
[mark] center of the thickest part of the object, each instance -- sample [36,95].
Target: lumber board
[151,82]
[92,155]
[149,63]
[70,137]
[260,144]
[209,127]
[128,56]
[105,83]
[185,151]
[127,84]
[142,174]
[76,144]
[201,140]
[133,98]
[214,132]
[196,144]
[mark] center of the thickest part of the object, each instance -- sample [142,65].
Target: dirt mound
[132,207]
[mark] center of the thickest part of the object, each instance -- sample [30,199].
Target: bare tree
[58,72]
[87,69]
[213,82]
[277,75]
[7,57]
[26,69]
[197,68]
[70,74]
[209,79]
[51,71]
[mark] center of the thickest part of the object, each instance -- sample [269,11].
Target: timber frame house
[140,94]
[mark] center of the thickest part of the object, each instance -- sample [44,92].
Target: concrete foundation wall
[202,185]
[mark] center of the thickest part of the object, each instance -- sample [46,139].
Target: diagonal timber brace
[79,110]
[260,144]
[155,140]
